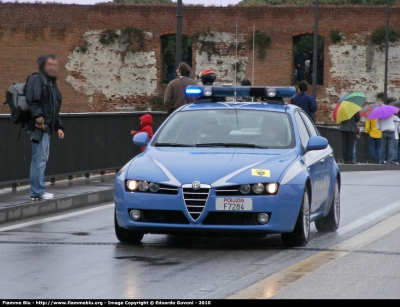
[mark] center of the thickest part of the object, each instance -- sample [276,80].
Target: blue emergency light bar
[241,91]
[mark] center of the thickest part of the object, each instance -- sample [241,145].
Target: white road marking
[55,218]
[368,218]
[273,284]
[219,286]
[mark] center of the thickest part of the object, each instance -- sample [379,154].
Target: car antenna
[236,43]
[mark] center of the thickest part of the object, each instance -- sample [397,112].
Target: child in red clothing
[146,122]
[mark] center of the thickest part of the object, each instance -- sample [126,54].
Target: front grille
[195,200]
[163,216]
[232,218]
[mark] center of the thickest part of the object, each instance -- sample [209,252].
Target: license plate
[234,204]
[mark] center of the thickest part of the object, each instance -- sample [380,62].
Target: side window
[310,125]
[304,136]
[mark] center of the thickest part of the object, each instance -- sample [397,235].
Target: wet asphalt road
[77,256]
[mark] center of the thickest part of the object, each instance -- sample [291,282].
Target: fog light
[245,189]
[263,218]
[135,215]
[131,185]
[271,92]
[143,186]
[207,91]
[258,188]
[271,188]
[154,187]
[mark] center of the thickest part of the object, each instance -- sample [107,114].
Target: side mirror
[317,143]
[141,139]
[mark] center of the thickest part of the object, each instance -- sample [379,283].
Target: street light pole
[178,44]
[315,53]
[385,87]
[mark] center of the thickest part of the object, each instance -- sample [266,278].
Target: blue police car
[240,166]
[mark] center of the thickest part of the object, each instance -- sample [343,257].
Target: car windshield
[227,128]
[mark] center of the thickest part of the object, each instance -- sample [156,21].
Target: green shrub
[261,41]
[108,37]
[336,36]
[379,35]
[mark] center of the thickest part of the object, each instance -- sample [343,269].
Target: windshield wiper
[230,145]
[172,145]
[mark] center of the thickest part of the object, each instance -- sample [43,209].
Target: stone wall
[107,77]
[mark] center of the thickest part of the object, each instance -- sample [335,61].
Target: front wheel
[126,236]
[330,223]
[301,232]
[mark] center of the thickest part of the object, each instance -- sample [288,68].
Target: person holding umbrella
[347,114]
[387,123]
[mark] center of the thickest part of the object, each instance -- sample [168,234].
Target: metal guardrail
[335,140]
[93,142]
[96,142]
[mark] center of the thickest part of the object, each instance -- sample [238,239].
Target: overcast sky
[205,2]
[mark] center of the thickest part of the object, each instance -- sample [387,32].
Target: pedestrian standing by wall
[305,101]
[348,128]
[175,95]
[388,126]
[44,99]
[374,140]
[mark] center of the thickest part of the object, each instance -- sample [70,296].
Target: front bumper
[282,208]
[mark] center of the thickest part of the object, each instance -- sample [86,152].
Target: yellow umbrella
[348,106]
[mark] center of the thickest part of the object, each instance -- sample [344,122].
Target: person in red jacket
[146,122]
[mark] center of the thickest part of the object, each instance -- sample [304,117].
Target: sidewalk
[78,193]
[363,167]
[69,194]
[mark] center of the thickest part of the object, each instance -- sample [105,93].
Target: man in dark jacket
[44,99]
[349,129]
[305,101]
[175,94]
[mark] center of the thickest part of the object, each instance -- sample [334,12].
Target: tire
[330,223]
[301,232]
[127,236]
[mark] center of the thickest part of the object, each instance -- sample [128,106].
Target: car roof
[240,105]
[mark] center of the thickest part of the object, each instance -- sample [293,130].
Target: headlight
[245,189]
[271,188]
[143,186]
[154,187]
[258,188]
[131,185]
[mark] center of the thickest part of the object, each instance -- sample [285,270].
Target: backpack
[16,100]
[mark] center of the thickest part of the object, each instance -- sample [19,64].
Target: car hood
[213,166]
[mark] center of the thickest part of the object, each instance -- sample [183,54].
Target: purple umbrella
[383,112]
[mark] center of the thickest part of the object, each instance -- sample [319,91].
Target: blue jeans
[375,147]
[396,151]
[40,156]
[387,153]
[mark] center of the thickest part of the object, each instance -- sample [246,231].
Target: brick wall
[28,30]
